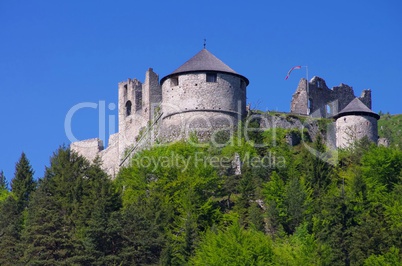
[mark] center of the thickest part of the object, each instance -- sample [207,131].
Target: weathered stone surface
[89,148]
[191,102]
[351,128]
[185,103]
[383,142]
[322,101]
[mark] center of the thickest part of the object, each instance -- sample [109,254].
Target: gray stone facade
[322,101]
[191,104]
[136,105]
[201,97]
[204,97]
[351,128]
[355,122]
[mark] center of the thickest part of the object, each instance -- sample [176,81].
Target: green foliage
[182,183]
[3,187]
[184,204]
[391,258]
[10,228]
[382,168]
[234,246]
[390,127]
[23,184]
[301,248]
[71,217]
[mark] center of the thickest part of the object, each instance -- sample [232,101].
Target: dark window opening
[128,108]
[125,90]
[211,77]
[174,81]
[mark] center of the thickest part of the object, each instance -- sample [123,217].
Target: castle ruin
[205,96]
[202,97]
[323,101]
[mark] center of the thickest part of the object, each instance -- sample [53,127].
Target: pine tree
[3,181]
[10,227]
[72,217]
[3,187]
[11,212]
[23,183]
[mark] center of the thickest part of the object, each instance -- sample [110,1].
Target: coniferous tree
[3,181]
[3,187]
[11,212]
[10,228]
[23,183]
[70,216]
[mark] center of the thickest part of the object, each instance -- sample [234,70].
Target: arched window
[128,108]
[328,110]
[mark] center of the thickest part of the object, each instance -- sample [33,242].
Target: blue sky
[56,54]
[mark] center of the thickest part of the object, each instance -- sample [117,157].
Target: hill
[390,127]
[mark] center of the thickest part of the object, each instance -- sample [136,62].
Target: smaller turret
[355,122]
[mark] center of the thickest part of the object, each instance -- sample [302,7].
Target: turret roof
[204,61]
[356,107]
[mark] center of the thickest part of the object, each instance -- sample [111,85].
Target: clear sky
[55,54]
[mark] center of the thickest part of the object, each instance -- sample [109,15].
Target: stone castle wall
[322,101]
[351,128]
[190,102]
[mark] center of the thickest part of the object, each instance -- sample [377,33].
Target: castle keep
[205,96]
[202,97]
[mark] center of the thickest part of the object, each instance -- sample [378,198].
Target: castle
[202,97]
[205,96]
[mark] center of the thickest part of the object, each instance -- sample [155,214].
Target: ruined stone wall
[88,148]
[110,156]
[351,128]
[151,94]
[135,100]
[324,102]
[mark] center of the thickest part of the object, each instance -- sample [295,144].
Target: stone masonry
[322,101]
[202,96]
[205,96]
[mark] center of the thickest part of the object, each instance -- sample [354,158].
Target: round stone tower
[203,96]
[354,122]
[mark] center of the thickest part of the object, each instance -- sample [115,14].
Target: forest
[186,204]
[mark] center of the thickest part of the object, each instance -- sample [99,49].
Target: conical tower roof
[356,107]
[204,61]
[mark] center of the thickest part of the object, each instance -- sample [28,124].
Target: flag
[295,67]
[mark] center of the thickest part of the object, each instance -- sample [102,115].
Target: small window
[174,81]
[211,77]
[318,84]
[128,108]
[328,110]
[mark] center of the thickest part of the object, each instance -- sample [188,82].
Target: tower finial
[205,43]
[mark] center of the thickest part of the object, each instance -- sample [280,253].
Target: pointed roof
[356,107]
[204,61]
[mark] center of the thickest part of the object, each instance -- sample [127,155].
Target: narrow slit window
[211,77]
[128,108]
